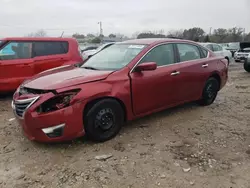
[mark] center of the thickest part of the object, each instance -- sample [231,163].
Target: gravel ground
[187,146]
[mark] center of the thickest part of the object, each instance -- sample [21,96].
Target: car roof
[203,43]
[148,41]
[37,39]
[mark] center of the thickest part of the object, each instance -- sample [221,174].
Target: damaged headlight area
[58,102]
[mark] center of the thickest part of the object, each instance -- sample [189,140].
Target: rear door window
[188,52]
[50,48]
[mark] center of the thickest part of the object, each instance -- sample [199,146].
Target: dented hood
[64,77]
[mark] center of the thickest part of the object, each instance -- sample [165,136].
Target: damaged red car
[128,80]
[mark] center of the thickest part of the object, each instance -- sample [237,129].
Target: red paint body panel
[14,72]
[140,93]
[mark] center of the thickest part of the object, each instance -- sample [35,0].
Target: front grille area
[21,105]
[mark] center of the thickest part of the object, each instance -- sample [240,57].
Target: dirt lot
[188,146]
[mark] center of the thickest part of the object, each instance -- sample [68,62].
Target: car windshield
[113,58]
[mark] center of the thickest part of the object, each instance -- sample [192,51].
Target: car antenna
[62,34]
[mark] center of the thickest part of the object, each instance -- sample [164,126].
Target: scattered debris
[11,119]
[191,182]
[186,169]
[21,176]
[163,176]
[103,157]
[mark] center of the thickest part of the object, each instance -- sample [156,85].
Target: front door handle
[175,73]
[204,65]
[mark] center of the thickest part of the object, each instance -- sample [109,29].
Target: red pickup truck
[21,58]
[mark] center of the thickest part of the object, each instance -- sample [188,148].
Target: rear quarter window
[50,48]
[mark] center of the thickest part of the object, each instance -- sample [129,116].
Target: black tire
[247,66]
[210,92]
[104,120]
[227,60]
[237,61]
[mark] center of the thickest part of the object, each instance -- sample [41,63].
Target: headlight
[58,102]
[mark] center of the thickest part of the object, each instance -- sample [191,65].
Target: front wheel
[210,92]
[104,120]
[247,66]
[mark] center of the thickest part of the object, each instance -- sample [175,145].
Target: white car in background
[219,50]
[243,53]
[87,54]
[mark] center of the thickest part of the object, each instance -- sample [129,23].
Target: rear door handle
[205,65]
[175,73]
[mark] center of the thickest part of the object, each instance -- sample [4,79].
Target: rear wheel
[237,61]
[227,60]
[104,120]
[247,66]
[210,91]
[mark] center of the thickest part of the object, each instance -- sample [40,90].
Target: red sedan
[128,80]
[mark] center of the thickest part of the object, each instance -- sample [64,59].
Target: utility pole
[244,32]
[101,30]
[210,32]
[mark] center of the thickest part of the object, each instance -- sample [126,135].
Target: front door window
[16,50]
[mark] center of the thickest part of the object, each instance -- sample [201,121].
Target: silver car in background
[87,54]
[219,50]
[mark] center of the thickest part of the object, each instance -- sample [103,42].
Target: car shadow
[6,96]
[159,115]
[128,127]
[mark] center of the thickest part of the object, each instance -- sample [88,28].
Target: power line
[25,26]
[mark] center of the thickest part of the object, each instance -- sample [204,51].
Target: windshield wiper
[88,67]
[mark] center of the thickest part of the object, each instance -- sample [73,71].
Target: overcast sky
[21,17]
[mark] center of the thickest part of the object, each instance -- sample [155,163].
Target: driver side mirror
[148,66]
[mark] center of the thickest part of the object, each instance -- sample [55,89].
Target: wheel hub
[104,119]
[211,91]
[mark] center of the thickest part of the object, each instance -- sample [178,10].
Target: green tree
[96,40]
[194,34]
[112,35]
[89,35]
[207,38]
[175,34]
[78,36]
[150,35]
